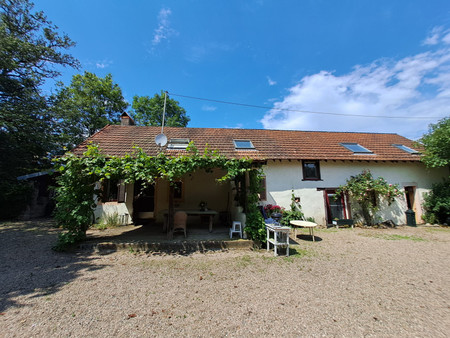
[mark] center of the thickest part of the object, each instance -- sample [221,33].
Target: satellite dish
[161,140]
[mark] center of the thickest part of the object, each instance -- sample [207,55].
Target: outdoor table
[304,224]
[210,213]
[280,237]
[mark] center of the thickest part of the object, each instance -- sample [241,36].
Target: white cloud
[163,31]
[433,37]
[446,38]
[208,108]
[271,82]
[414,86]
[236,126]
[103,64]
[438,34]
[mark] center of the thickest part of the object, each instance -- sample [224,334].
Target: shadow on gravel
[309,238]
[28,265]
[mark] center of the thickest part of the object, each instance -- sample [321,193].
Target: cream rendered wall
[282,177]
[197,187]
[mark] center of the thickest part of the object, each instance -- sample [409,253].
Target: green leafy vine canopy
[79,175]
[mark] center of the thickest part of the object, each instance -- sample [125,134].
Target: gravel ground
[361,282]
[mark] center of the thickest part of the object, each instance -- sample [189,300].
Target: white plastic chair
[179,222]
[236,227]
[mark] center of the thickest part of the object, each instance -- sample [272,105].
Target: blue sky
[344,58]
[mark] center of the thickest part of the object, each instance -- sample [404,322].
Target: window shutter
[121,189]
[263,191]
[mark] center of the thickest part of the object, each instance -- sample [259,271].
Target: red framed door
[337,207]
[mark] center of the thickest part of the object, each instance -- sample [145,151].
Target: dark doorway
[337,206]
[410,192]
[144,200]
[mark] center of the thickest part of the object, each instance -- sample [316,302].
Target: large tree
[437,154]
[31,49]
[437,144]
[148,111]
[87,105]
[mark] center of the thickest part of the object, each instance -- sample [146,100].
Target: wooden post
[171,213]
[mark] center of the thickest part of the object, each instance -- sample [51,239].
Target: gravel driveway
[351,283]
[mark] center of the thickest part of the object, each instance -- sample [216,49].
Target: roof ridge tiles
[259,129]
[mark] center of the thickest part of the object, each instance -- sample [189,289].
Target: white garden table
[280,237]
[304,224]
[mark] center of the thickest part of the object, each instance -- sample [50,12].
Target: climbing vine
[255,226]
[77,182]
[368,191]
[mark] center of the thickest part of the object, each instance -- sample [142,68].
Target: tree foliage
[30,46]
[437,144]
[78,177]
[437,203]
[148,111]
[86,105]
[31,50]
[368,192]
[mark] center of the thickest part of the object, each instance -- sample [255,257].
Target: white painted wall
[283,177]
[103,209]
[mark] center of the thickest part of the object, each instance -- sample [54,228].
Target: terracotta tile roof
[269,144]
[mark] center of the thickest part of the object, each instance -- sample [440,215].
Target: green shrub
[437,203]
[255,226]
[294,214]
[110,220]
[291,215]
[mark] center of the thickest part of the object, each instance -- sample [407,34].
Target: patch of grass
[443,229]
[394,237]
[401,237]
[244,261]
[108,221]
[269,259]
[329,230]
[100,226]
[295,252]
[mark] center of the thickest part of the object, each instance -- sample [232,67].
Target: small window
[243,144]
[114,191]
[178,143]
[356,148]
[311,170]
[405,148]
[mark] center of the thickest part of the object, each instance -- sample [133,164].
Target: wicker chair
[179,221]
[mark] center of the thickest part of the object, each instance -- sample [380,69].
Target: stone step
[167,247]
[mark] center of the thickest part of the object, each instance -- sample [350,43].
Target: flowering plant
[368,191]
[271,209]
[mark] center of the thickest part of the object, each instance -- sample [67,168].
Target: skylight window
[356,148]
[243,144]
[178,143]
[405,148]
